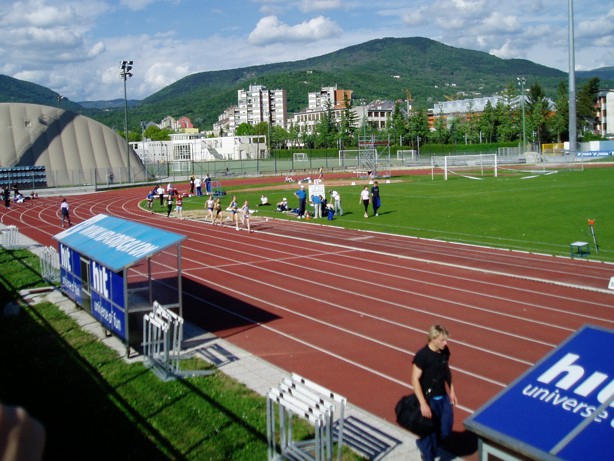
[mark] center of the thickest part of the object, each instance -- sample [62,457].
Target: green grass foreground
[95,406]
[541,213]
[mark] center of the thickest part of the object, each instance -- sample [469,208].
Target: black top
[435,370]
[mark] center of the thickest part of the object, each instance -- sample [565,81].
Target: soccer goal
[407,155]
[475,166]
[300,157]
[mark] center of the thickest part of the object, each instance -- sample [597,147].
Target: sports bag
[410,417]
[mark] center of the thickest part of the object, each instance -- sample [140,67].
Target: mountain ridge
[386,68]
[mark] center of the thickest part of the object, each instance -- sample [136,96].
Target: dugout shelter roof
[116,243]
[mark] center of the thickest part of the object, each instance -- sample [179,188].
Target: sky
[74,47]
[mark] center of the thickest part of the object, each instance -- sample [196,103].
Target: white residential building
[319,100]
[375,115]
[258,104]
[463,106]
[604,114]
[189,147]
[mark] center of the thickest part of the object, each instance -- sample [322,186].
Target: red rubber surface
[347,309]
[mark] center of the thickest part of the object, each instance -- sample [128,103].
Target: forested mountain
[14,90]
[389,68]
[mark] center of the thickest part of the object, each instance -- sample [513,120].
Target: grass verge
[95,406]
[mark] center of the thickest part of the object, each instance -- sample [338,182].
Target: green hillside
[379,69]
[387,68]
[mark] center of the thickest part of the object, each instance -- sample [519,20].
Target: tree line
[545,121]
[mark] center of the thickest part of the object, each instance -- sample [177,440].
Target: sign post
[591,225]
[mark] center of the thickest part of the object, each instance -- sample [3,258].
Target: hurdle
[50,264]
[162,341]
[9,237]
[297,396]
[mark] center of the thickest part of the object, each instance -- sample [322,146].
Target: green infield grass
[541,213]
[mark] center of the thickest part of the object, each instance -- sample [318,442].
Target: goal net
[405,155]
[300,157]
[348,158]
[477,166]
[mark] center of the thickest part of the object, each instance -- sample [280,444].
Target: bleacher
[24,177]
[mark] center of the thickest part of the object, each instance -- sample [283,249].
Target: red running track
[348,309]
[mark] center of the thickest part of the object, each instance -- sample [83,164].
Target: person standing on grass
[150,198]
[208,184]
[375,198]
[364,199]
[317,206]
[198,184]
[64,212]
[160,192]
[432,382]
[301,195]
[169,204]
[336,197]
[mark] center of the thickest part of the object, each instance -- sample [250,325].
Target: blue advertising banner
[108,305]
[95,256]
[563,407]
[70,274]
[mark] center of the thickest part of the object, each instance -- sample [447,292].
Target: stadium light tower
[125,74]
[573,135]
[521,82]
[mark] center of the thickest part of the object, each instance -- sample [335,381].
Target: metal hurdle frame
[306,399]
[162,341]
[9,237]
[331,399]
[50,264]
[290,405]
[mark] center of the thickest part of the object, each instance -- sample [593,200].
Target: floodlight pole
[521,82]
[125,74]
[573,141]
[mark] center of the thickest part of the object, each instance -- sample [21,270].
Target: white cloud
[137,4]
[74,46]
[507,51]
[499,23]
[415,17]
[271,30]
[319,5]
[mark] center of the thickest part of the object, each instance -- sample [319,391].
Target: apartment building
[604,114]
[332,96]
[258,104]
[375,115]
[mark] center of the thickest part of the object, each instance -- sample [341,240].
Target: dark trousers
[443,414]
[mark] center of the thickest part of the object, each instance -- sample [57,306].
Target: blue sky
[74,46]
